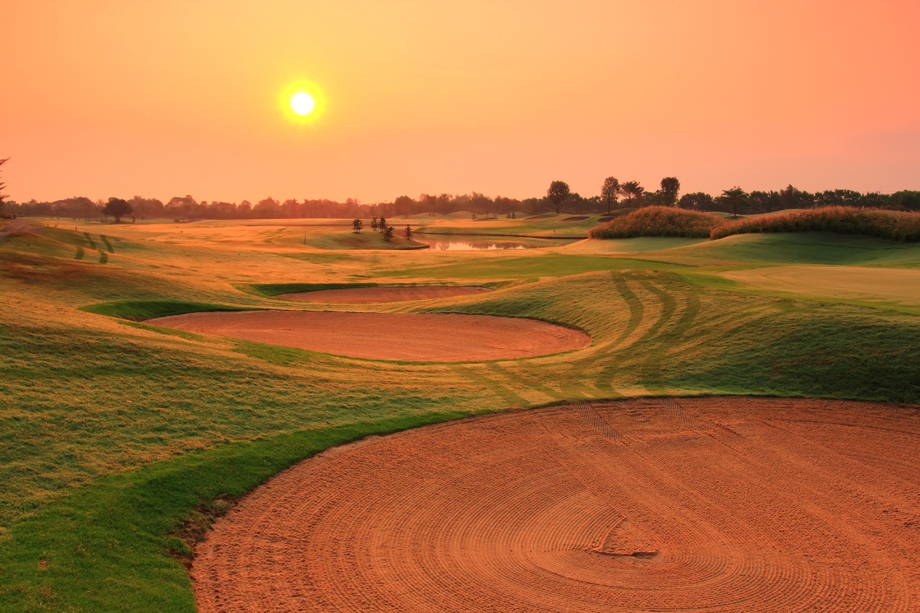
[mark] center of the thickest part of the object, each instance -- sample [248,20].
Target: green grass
[276,289]
[116,533]
[548,265]
[799,248]
[118,431]
[139,310]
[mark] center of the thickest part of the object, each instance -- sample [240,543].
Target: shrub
[658,221]
[896,225]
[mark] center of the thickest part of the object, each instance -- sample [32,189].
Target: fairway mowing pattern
[716,504]
[365,295]
[425,337]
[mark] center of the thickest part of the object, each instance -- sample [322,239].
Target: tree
[558,193]
[356,225]
[382,224]
[117,208]
[3,213]
[733,199]
[388,233]
[632,190]
[698,201]
[373,223]
[408,233]
[403,205]
[670,186]
[609,192]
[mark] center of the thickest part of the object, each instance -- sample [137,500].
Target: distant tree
[3,207]
[557,194]
[373,223]
[182,207]
[403,205]
[609,192]
[117,208]
[632,190]
[697,201]
[670,186]
[408,232]
[382,224]
[267,208]
[733,200]
[794,198]
[388,233]
[356,225]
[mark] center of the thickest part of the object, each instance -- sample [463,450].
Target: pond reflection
[470,244]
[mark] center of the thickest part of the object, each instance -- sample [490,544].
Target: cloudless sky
[164,98]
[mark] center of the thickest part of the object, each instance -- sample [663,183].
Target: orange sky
[173,97]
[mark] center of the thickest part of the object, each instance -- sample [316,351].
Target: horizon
[169,100]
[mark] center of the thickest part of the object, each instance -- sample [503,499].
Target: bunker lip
[659,503]
[414,337]
[366,295]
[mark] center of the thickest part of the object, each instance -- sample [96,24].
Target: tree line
[559,198]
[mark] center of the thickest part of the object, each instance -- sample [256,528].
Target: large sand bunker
[427,337]
[728,504]
[363,295]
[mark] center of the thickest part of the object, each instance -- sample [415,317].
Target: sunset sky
[170,97]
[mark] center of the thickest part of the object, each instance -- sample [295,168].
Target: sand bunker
[735,504]
[427,337]
[363,295]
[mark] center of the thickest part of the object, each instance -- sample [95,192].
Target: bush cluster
[896,225]
[668,221]
[659,221]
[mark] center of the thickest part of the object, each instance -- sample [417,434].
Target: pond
[473,243]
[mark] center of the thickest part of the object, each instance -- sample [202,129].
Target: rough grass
[895,225]
[659,221]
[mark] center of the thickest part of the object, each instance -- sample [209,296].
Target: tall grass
[896,225]
[659,221]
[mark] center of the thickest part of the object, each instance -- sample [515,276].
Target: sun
[302,103]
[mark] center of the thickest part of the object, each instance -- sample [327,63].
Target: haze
[171,98]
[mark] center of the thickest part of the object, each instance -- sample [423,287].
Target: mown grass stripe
[477,376]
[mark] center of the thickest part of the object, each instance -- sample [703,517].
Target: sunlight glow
[302,103]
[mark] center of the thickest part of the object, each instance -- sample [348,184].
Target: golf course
[156,373]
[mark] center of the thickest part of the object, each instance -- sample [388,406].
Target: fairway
[893,285]
[715,504]
[364,295]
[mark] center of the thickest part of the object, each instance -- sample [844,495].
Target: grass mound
[139,310]
[897,225]
[659,221]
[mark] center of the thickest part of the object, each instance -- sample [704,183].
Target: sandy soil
[428,337]
[363,295]
[735,504]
